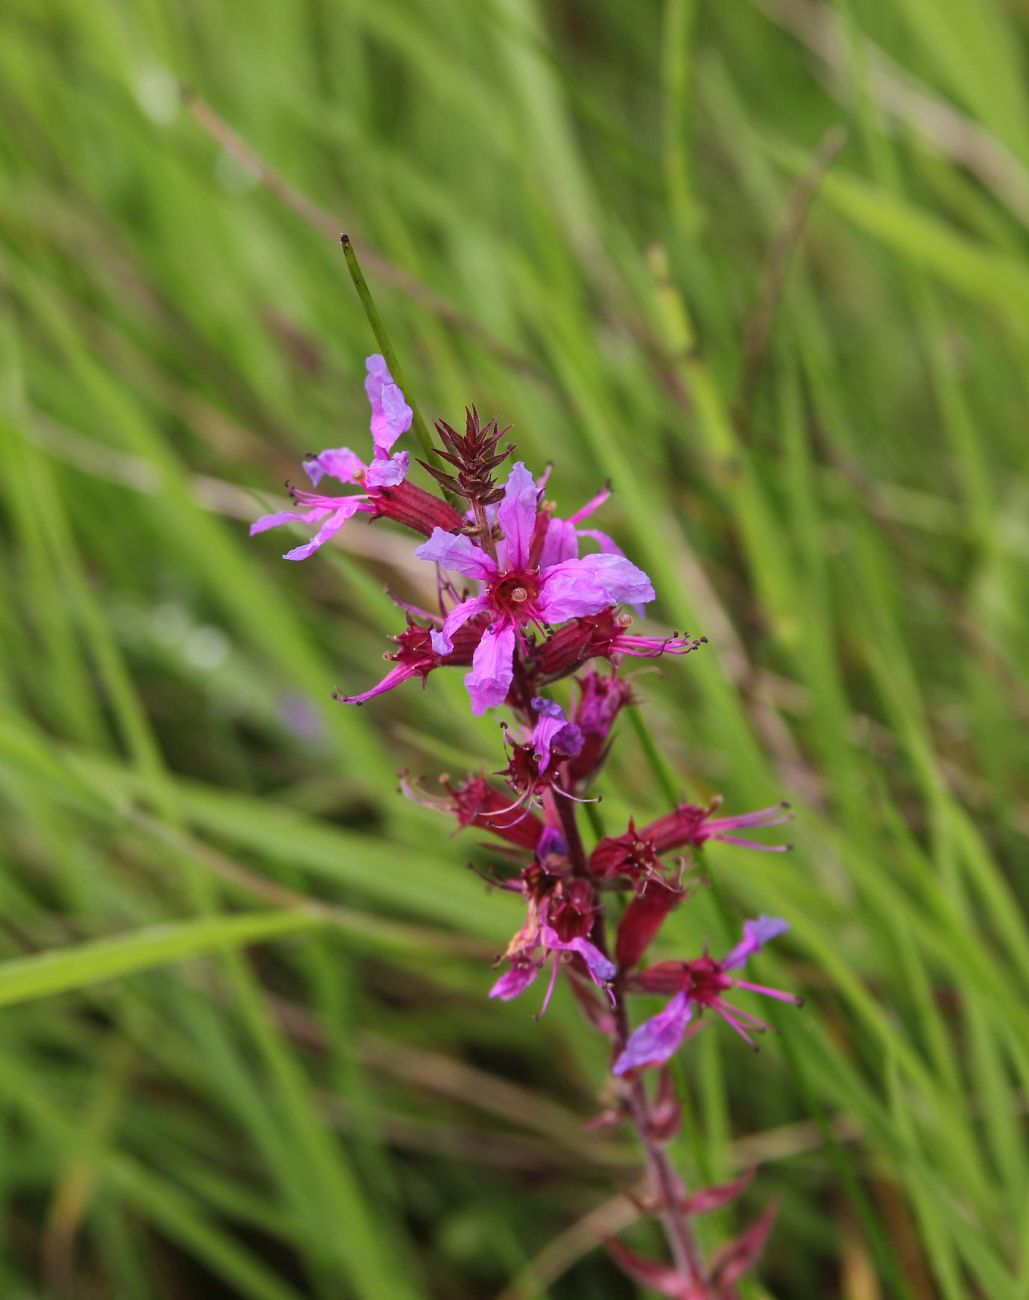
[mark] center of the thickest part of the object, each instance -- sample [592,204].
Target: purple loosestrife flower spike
[520,608]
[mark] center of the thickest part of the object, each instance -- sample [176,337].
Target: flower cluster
[528,600]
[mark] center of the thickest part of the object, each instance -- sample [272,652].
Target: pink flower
[604,636]
[415,657]
[635,854]
[477,803]
[522,587]
[526,966]
[692,825]
[697,986]
[391,417]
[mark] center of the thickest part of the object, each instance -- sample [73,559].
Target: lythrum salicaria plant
[528,598]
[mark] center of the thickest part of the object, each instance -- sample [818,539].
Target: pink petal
[555,732]
[755,935]
[339,463]
[601,969]
[568,590]
[623,581]
[513,983]
[348,507]
[288,517]
[388,473]
[561,543]
[657,1039]
[492,669]
[458,616]
[517,515]
[391,415]
[458,553]
[390,419]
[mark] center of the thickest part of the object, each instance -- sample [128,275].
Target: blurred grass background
[625,229]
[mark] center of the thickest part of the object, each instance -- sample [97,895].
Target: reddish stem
[681,1241]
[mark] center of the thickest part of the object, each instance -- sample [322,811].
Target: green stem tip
[387,350]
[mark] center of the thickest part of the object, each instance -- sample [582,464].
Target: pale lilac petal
[569,590]
[560,543]
[553,732]
[388,473]
[514,982]
[625,583]
[601,968]
[458,616]
[548,708]
[755,935]
[338,462]
[288,517]
[391,415]
[390,419]
[657,1039]
[348,506]
[492,669]
[517,515]
[458,553]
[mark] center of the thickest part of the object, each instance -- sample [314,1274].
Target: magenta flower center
[514,593]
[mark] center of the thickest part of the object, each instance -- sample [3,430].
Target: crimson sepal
[722,1194]
[415,508]
[631,854]
[475,803]
[740,1256]
[643,919]
[662,1278]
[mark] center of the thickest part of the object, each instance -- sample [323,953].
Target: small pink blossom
[526,965]
[391,417]
[520,590]
[636,852]
[697,986]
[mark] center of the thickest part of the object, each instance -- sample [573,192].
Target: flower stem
[383,340]
[667,1185]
